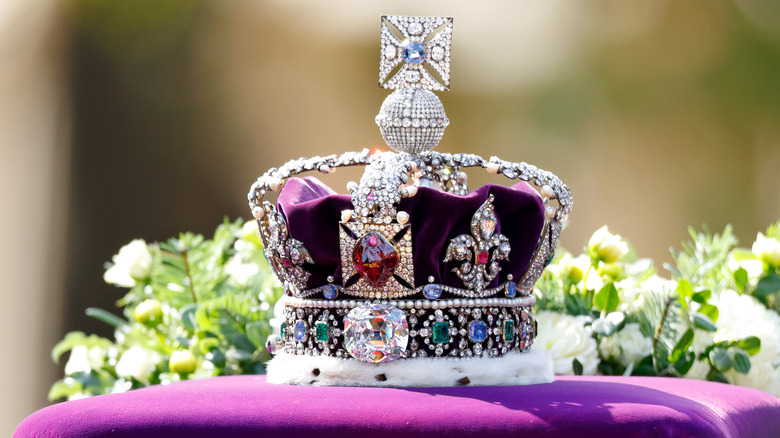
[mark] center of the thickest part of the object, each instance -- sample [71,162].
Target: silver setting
[437,50]
[480,252]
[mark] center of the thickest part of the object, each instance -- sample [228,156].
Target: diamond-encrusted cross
[414,53]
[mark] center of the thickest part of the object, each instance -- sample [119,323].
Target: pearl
[324,168]
[492,167]
[411,191]
[461,177]
[258,212]
[346,215]
[548,191]
[549,212]
[276,184]
[402,217]
[351,186]
[426,304]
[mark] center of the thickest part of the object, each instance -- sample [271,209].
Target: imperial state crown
[411,279]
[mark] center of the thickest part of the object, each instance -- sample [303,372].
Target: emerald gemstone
[441,332]
[282,329]
[509,330]
[322,331]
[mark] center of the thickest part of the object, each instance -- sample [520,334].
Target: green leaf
[702,296]
[685,363]
[740,360]
[703,322]
[711,311]
[607,298]
[684,291]
[61,389]
[682,346]
[108,318]
[720,359]
[751,345]
[767,285]
[716,376]
[576,366]
[188,317]
[741,279]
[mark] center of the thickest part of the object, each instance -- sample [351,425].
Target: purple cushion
[313,211]
[247,406]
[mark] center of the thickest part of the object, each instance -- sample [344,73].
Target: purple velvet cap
[313,212]
[247,406]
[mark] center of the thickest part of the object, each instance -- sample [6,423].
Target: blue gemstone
[432,291]
[330,291]
[511,289]
[477,331]
[413,52]
[299,331]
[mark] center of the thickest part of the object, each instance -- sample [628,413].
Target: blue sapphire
[299,331]
[511,289]
[330,291]
[432,291]
[413,52]
[477,331]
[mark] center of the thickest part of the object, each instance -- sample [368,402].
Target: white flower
[138,363]
[698,371]
[607,247]
[131,264]
[241,272]
[634,294]
[628,345]
[565,338]
[767,249]
[83,359]
[742,316]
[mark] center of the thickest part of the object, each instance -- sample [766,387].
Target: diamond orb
[413,52]
[375,258]
[376,333]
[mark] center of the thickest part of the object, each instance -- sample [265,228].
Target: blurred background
[144,118]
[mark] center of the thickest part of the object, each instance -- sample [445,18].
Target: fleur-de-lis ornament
[287,254]
[481,251]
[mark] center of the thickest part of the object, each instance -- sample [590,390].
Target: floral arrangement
[198,308]
[195,308]
[608,312]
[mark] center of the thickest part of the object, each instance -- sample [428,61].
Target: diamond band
[390,330]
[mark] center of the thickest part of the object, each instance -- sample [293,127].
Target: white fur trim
[511,369]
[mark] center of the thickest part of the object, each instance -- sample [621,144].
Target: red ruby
[482,258]
[375,259]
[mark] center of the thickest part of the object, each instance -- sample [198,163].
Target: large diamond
[376,333]
[375,258]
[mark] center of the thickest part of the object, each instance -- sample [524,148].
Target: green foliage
[213,298]
[679,318]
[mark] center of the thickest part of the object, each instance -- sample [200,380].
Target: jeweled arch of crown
[370,309]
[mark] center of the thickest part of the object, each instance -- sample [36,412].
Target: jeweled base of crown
[527,368]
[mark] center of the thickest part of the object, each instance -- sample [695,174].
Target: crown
[411,279]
